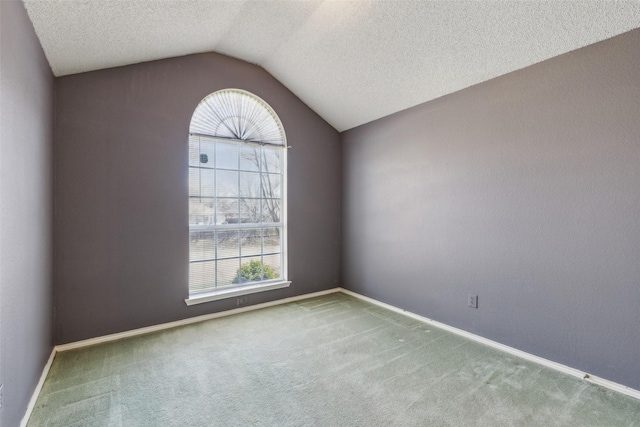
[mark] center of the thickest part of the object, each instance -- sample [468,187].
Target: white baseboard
[36,392]
[514,351]
[519,353]
[188,321]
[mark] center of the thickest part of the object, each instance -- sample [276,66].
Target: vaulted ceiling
[350,61]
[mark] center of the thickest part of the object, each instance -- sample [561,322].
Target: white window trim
[224,293]
[255,287]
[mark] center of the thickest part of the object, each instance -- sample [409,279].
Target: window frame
[229,291]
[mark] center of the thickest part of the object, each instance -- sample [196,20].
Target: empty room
[319,213]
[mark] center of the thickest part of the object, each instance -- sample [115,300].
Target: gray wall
[26,231]
[121,242]
[524,189]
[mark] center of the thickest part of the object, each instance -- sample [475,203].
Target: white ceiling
[350,61]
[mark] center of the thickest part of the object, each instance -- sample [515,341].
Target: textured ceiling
[352,62]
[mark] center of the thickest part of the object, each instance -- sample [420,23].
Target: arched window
[237,200]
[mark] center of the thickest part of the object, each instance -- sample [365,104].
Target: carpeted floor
[326,361]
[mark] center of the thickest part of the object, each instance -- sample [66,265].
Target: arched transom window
[237,200]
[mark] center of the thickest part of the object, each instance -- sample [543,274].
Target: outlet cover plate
[473,301]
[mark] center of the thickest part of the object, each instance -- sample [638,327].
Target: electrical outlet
[473,301]
[242,301]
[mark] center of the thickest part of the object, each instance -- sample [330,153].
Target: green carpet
[326,361]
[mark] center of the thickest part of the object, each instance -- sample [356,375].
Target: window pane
[194,151]
[251,241]
[228,271]
[227,183]
[271,186]
[270,210]
[227,212]
[272,264]
[207,181]
[202,275]
[201,152]
[272,160]
[251,270]
[207,153]
[250,211]
[250,158]
[201,211]
[250,184]
[194,182]
[226,155]
[201,182]
[272,241]
[202,245]
[228,244]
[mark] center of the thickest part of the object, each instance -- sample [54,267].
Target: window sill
[235,292]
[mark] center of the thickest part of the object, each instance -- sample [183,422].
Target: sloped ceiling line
[352,62]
